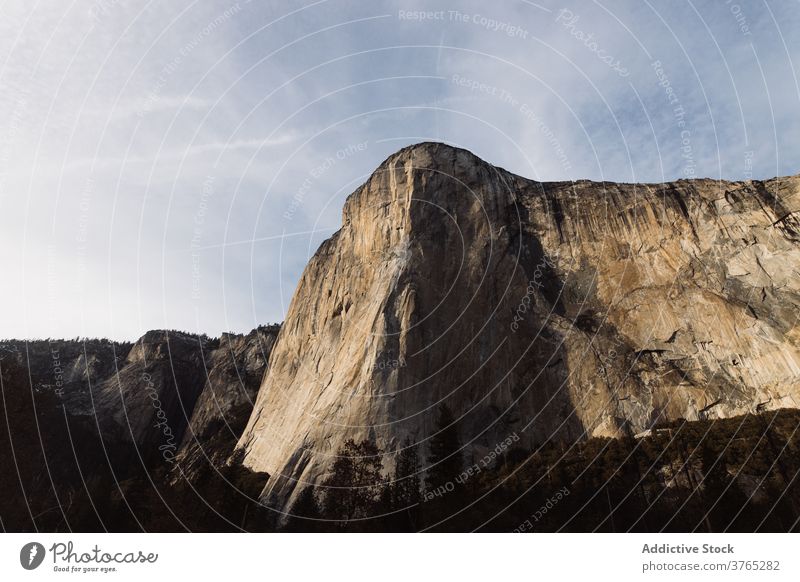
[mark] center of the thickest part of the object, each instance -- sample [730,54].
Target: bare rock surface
[550,310]
[175,395]
[235,371]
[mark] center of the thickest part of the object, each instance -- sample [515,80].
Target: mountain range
[458,303]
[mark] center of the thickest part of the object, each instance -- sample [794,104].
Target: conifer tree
[406,494]
[445,461]
[354,487]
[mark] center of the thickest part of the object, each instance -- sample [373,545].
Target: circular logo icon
[31,555]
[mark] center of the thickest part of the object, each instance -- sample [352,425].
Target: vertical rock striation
[235,371]
[174,395]
[549,310]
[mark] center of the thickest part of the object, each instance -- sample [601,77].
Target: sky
[174,164]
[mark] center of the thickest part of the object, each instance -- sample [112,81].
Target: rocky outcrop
[150,399]
[67,368]
[176,396]
[550,310]
[235,370]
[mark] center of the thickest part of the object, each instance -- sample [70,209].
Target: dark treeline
[738,474]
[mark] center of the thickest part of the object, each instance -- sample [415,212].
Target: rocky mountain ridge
[169,393]
[544,313]
[551,311]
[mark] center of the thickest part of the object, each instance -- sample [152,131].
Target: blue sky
[174,164]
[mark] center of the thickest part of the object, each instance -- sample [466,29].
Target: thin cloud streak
[293,106]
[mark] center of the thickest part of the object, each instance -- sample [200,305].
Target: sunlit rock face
[550,310]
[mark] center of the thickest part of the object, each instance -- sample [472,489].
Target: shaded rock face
[149,400]
[235,370]
[67,367]
[550,310]
[180,398]
[176,391]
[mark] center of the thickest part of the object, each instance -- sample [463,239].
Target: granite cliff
[174,396]
[536,314]
[117,436]
[548,311]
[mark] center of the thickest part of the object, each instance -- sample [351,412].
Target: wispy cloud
[144,129]
[256,144]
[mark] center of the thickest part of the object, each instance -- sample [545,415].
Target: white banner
[389,557]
